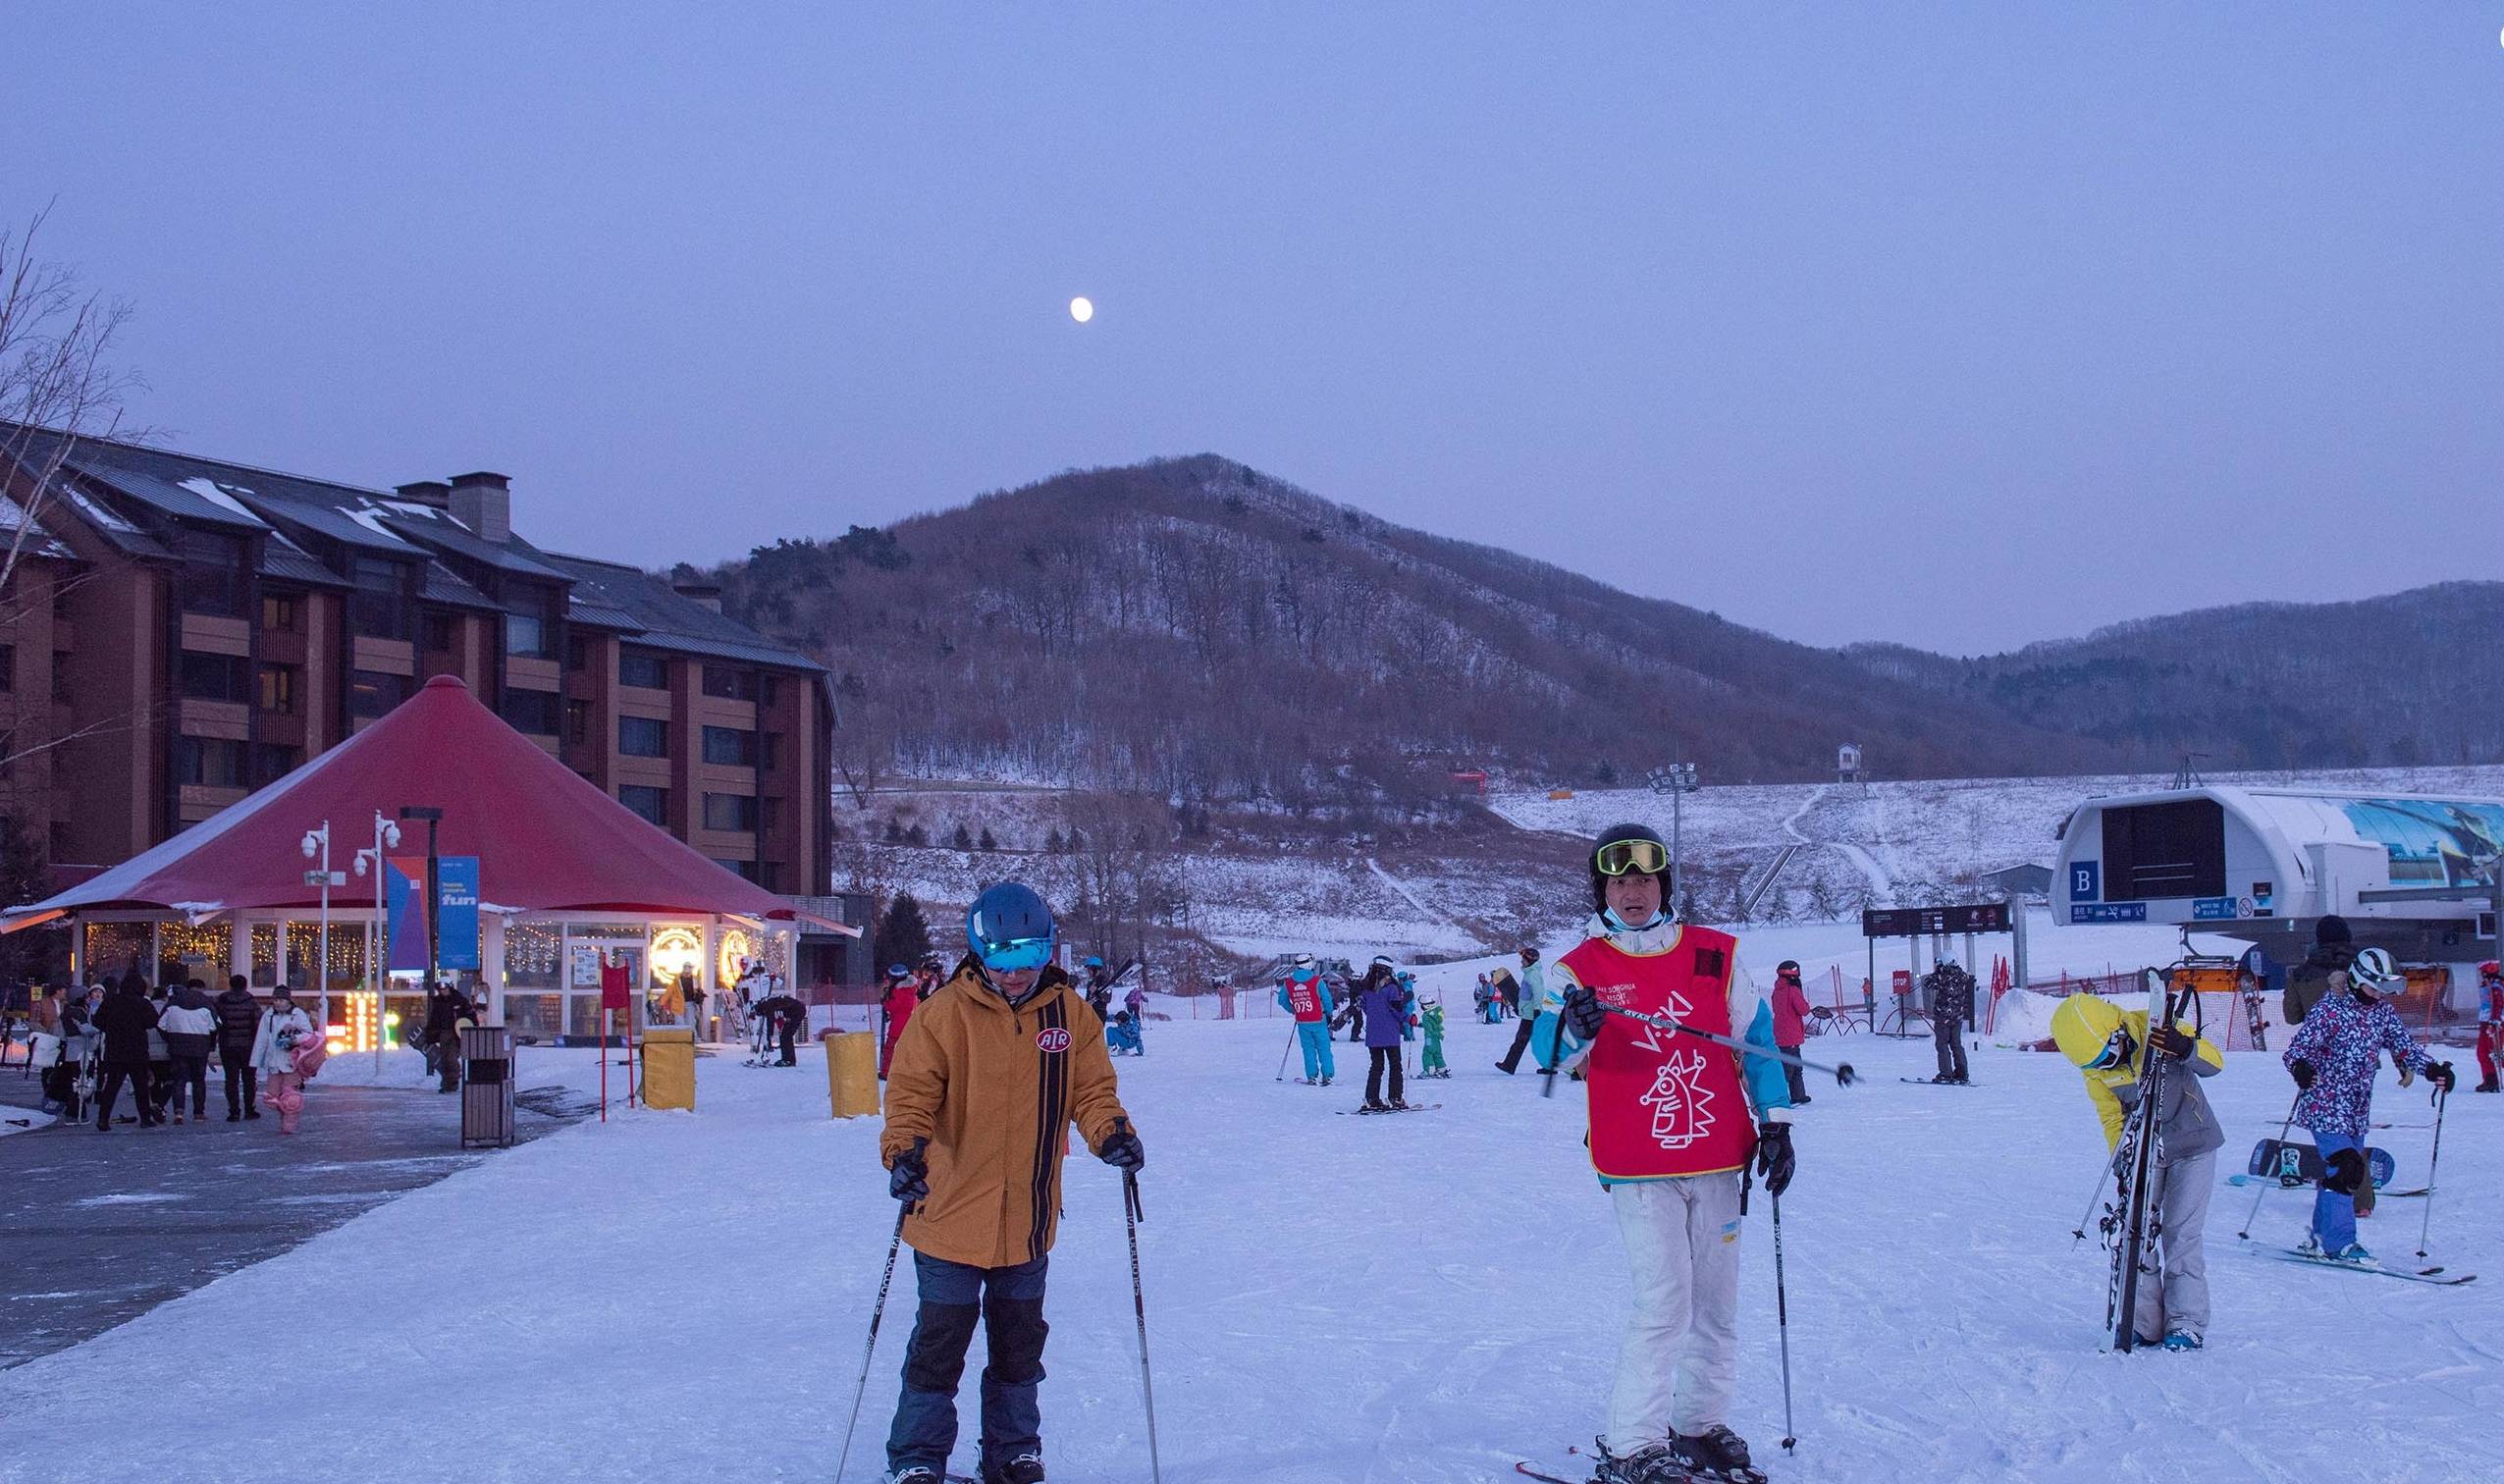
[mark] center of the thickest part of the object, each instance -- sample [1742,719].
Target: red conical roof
[545,839]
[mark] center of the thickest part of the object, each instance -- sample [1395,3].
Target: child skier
[2104,1041]
[2333,1058]
[1121,1037]
[1305,995]
[1670,1136]
[2490,1022]
[1430,1025]
[988,1079]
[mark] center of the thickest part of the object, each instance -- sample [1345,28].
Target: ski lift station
[2412,874]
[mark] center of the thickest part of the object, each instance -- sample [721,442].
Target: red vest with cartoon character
[1663,1104]
[1304,996]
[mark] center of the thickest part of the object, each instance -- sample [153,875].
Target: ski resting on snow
[2433,1275]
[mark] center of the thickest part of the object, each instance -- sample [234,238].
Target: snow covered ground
[1402,1300]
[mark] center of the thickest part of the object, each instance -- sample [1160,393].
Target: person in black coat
[238,1026]
[789,1015]
[446,1009]
[125,1018]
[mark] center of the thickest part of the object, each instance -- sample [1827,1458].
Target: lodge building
[181,632]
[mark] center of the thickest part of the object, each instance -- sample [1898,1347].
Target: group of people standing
[159,1041]
[1382,1010]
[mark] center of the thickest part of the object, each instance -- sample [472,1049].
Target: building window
[769,875]
[278,689]
[211,577]
[751,870]
[278,612]
[729,683]
[577,722]
[8,667]
[60,837]
[60,600]
[729,747]
[273,761]
[378,606]
[643,668]
[60,676]
[768,751]
[533,711]
[578,652]
[530,628]
[643,737]
[764,690]
[440,633]
[767,811]
[730,812]
[213,678]
[651,804]
[372,693]
[209,763]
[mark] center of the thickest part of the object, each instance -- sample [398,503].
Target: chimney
[703,594]
[484,503]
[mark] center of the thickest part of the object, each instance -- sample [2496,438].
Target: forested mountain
[2408,679]
[1196,630]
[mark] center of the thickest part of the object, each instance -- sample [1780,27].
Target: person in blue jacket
[1304,993]
[1385,1005]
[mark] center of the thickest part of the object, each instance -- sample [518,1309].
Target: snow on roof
[95,510]
[209,490]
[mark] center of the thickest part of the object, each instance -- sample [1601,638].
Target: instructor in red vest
[1675,1122]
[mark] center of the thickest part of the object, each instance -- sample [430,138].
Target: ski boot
[2488,1085]
[2179,1340]
[1653,1463]
[1717,1453]
[1399,1105]
[1943,1078]
[1374,1106]
[2354,1254]
[1325,1082]
[916,1473]
[1025,1468]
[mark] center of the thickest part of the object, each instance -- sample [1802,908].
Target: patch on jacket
[1709,963]
[1052,1038]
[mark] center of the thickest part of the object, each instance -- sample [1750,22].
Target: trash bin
[852,1073]
[669,1068]
[487,1086]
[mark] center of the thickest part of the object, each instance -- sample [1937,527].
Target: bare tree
[56,385]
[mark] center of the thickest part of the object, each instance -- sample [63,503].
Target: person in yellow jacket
[2104,1041]
[987,1077]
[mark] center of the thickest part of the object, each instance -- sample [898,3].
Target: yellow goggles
[1631,858]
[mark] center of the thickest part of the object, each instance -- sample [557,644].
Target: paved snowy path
[1332,1300]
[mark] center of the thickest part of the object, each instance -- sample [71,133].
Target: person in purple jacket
[2333,1058]
[1384,1003]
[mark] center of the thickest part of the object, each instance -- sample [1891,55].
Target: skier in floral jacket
[2333,1058]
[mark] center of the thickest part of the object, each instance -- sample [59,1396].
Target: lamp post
[1677,780]
[434,819]
[317,847]
[385,833]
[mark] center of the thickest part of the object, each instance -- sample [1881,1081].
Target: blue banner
[457,910]
[406,901]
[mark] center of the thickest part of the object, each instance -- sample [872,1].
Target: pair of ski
[1684,1476]
[1932,1081]
[1374,1112]
[2438,1276]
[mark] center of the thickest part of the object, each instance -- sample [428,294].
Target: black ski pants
[1521,1042]
[111,1092]
[790,1047]
[1383,1056]
[241,1073]
[1950,1042]
[1008,1301]
[192,1071]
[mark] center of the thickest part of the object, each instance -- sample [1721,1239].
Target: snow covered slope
[1417,1300]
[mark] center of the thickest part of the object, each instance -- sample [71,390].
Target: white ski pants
[2173,1269]
[1680,1361]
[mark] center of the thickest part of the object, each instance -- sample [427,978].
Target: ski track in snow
[1330,1299]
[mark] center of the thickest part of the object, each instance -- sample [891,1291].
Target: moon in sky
[1081,309]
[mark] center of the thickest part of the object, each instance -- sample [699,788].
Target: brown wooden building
[185,631]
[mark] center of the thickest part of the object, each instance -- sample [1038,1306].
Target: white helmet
[2373,970]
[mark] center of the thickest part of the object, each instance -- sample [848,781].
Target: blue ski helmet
[1008,929]
[898,971]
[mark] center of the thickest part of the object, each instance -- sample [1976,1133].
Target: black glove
[1583,1014]
[2440,1074]
[908,1178]
[2302,1072]
[2344,1172]
[1774,1161]
[1123,1150]
[2171,1042]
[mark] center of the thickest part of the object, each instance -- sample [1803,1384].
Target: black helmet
[1631,860]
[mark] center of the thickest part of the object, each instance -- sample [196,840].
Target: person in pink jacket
[1791,1022]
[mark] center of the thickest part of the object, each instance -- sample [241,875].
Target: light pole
[434,819]
[1677,780]
[385,833]
[317,847]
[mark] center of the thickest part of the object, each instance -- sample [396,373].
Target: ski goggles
[1011,955]
[1631,858]
[2117,1049]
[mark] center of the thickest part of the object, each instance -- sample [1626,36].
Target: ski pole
[2442,1097]
[1843,1072]
[876,1313]
[1783,1325]
[1286,1051]
[2255,1213]
[1132,1215]
[2078,1233]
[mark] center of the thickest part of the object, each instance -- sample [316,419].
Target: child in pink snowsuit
[284,1030]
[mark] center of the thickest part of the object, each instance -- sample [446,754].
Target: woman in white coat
[274,1056]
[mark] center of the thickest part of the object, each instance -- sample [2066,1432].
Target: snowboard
[2433,1275]
[2298,1164]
